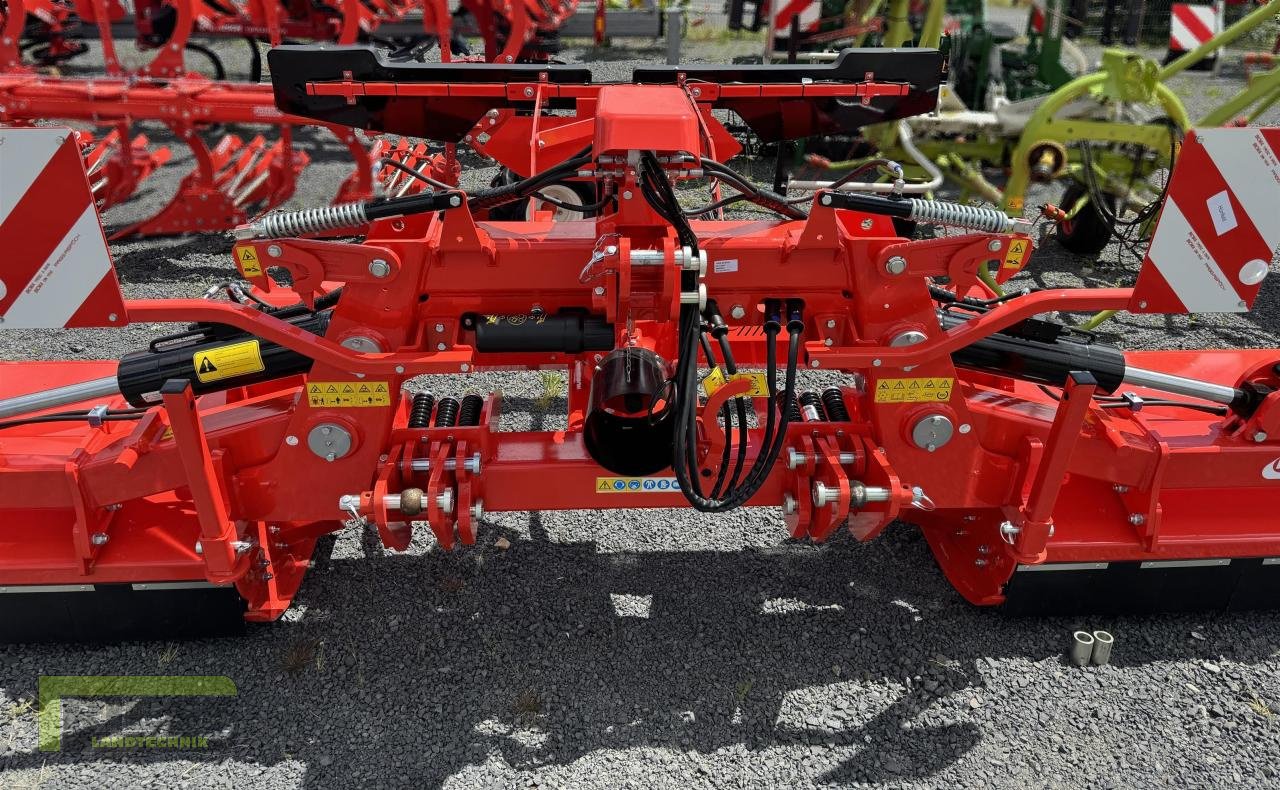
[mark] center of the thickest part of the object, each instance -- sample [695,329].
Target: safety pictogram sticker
[227,362]
[247,261]
[917,390]
[348,394]
[636,485]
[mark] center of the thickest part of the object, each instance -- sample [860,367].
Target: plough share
[183,488]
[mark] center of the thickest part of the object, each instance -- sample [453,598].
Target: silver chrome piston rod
[1178,385]
[61,396]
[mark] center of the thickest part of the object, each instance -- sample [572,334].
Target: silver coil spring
[311,220]
[961,216]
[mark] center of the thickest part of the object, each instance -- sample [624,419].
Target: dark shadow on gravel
[526,655]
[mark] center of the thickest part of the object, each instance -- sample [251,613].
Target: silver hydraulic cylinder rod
[61,396]
[1152,379]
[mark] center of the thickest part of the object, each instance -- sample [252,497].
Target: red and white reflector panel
[809,11]
[56,270]
[1219,233]
[1192,25]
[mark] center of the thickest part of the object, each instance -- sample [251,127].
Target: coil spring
[470,413]
[961,216]
[311,220]
[811,407]
[420,411]
[793,414]
[447,413]
[834,401]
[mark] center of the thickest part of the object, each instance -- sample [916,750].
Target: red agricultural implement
[182,488]
[54,31]
[234,178]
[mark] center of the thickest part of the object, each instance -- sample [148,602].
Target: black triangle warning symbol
[207,366]
[248,255]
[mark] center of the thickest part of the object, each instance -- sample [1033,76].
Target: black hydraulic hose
[758,195]
[519,190]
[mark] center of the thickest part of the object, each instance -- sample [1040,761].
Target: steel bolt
[477,510]
[291,440]
[1260,437]
[831,323]
[444,501]
[789,504]
[528,91]
[599,290]
[824,495]
[738,312]
[379,268]
[439,327]
[896,265]
[274,250]
[100,538]
[1120,489]
[866,223]
[1137,519]
[815,364]
[826,201]
[995,245]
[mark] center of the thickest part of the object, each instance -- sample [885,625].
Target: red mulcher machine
[182,489]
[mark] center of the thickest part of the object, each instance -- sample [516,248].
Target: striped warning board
[1192,25]
[808,11]
[56,270]
[1217,237]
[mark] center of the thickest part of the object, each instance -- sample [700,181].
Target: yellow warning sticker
[1016,257]
[247,261]
[920,390]
[636,485]
[226,362]
[717,379]
[1015,204]
[348,394]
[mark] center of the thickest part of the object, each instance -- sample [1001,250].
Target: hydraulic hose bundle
[731,489]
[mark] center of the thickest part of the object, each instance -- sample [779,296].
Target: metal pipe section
[1102,642]
[1081,648]
[908,145]
[72,393]
[1165,382]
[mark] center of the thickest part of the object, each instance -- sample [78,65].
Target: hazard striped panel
[809,12]
[56,270]
[1219,232]
[1192,25]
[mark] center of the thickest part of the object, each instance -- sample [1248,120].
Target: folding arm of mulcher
[1043,466]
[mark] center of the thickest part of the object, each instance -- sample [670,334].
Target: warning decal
[919,390]
[716,379]
[636,485]
[348,394]
[237,359]
[1016,258]
[247,261]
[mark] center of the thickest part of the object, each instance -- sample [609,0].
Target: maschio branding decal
[1272,470]
[53,688]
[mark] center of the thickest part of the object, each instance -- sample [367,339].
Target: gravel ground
[664,650]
